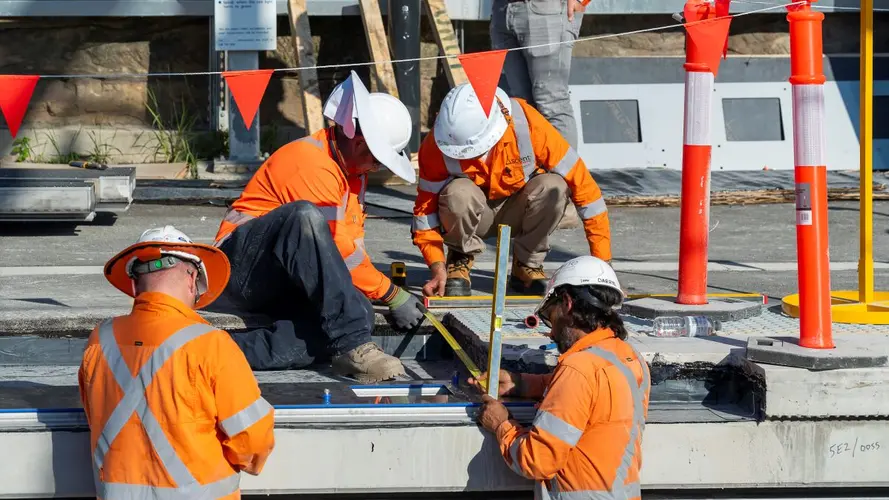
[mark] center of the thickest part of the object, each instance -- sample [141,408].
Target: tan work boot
[368,364]
[527,280]
[458,283]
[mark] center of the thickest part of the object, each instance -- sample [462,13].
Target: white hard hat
[581,271]
[385,123]
[462,130]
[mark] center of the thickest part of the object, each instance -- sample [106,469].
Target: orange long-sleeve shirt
[306,170]
[201,396]
[529,146]
[587,435]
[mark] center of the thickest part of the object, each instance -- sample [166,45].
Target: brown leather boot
[458,283]
[527,280]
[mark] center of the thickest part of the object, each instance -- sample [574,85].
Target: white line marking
[621,266]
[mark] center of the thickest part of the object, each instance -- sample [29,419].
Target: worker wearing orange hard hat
[510,167]
[173,408]
[295,238]
[586,439]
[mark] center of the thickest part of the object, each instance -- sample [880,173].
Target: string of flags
[707,25]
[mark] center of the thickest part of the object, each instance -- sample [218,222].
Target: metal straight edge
[495,340]
[316,415]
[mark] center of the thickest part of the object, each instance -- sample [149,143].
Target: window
[753,119]
[610,121]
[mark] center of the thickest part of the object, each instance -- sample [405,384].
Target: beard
[564,338]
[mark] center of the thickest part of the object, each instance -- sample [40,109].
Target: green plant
[174,143]
[22,149]
[100,152]
[61,157]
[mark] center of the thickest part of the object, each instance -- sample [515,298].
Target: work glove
[405,311]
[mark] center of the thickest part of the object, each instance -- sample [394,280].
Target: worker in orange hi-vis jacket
[295,238]
[173,408]
[586,439]
[511,167]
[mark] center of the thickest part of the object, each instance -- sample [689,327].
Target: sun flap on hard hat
[349,102]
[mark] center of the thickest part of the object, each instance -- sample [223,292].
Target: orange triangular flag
[483,71]
[15,95]
[722,9]
[709,38]
[247,88]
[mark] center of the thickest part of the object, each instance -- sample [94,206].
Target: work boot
[458,283]
[527,280]
[368,364]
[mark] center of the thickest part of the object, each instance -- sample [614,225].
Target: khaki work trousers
[533,213]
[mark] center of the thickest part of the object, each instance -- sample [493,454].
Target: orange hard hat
[154,244]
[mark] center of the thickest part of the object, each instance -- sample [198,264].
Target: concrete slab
[717,308]
[790,353]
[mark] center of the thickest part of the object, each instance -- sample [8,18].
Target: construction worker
[545,30]
[295,238]
[173,409]
[510,167]
[586,439]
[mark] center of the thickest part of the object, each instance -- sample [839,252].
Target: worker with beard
[586,439]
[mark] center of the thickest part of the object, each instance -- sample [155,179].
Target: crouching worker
[586,440]
[295,238]
[511,167]
[172,406]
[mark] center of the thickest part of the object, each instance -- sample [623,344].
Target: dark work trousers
[286,265]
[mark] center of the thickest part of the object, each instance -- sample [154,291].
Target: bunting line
[429,58]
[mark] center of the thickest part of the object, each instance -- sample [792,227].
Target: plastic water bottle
[685,326]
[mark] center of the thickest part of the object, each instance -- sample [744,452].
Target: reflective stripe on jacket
[173,408]
[306,169]
[586,440]
[530,145]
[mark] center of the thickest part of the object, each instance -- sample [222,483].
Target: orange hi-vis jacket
[531,145]
[586,440]
[173,408]
[307,170]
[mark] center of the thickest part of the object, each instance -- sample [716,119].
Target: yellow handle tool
[458,350]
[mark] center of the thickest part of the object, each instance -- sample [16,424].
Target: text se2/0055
[852,449]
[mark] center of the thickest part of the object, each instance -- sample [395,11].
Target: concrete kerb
[717,308]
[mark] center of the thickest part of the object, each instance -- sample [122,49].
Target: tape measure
[398,273]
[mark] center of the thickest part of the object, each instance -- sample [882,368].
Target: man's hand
[405,311]
[574,6]
[436,285]
[508,383]
[492,413]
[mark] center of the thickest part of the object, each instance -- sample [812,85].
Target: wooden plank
[313,110]
[446,39]
[379,46]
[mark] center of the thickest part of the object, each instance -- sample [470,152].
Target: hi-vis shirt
[306,170]
[586,439]
[173,408]
[530,146]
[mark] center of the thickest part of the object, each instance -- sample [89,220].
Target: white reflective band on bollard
[698,102]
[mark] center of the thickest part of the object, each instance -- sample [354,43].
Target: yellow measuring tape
[458,350]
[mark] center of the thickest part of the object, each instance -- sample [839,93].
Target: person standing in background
[539,74]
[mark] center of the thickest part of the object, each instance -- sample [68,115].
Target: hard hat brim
[375,135]
[215,261]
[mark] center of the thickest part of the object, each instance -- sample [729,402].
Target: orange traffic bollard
[810,173]
[694,221]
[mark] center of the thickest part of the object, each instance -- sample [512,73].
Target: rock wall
[152,45]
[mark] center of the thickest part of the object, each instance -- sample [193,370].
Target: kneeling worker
[295,239]
[511,167]
[172,406]
[586,440]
